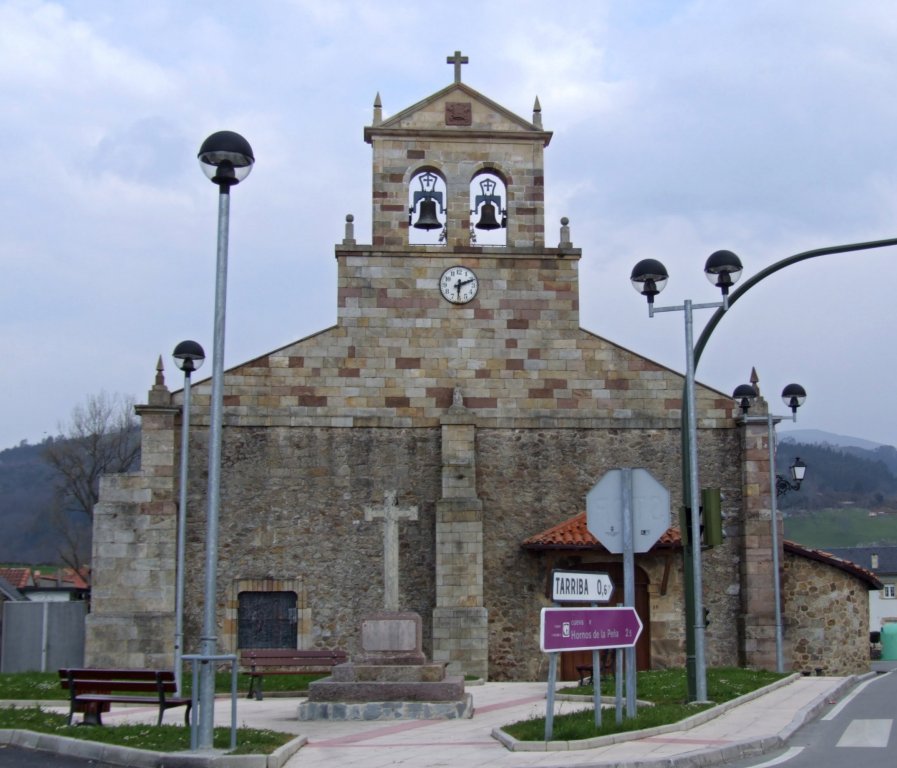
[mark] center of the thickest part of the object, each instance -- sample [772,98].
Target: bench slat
[108,686]
[117,674]
[173,702]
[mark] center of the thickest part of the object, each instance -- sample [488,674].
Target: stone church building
[458,378]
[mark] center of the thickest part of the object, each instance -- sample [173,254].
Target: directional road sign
[650,510]
[580,587]
[585,629]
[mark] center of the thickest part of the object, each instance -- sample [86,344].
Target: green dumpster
[889,642]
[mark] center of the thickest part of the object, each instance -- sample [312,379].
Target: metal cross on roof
[457,60]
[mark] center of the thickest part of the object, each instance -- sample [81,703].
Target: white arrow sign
[580,587]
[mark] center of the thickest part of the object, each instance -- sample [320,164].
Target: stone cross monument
[391,514]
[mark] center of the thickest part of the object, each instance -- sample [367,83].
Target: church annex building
[457,381]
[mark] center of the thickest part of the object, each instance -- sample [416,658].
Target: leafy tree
[102,437]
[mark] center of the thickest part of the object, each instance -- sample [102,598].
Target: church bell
[425,200]
[487,218]
[488,204]
[427,218]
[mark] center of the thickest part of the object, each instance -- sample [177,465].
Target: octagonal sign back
[650,510]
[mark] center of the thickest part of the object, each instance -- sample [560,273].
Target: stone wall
[533,479]
[292,509]
[131,621]
[825,617]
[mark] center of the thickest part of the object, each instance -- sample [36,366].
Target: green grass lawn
[847,527]
[164,738]
[666,689]
[44,686]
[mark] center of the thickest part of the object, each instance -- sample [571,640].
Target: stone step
[364,673]
[387,710]
[449,689]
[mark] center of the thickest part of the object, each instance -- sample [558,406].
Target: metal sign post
[626,515]
[579,587]
[549,699]
[628,510]
[583,629]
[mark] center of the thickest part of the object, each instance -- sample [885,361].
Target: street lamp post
[189,357]
[226,158]
[649,277]
[793,396]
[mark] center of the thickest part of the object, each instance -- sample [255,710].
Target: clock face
[458,285]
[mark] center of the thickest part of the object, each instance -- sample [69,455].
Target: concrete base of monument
[387,710]
[390,680]
[387,692]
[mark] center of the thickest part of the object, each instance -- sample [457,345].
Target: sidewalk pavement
[750,727]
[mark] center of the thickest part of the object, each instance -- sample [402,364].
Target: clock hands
[462,283]
[458,285]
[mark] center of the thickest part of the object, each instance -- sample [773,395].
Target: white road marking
[866,733]
[847,699]
[783,758]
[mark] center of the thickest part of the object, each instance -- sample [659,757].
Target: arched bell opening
[488,209]
[426,208]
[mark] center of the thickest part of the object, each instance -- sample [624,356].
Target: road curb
[144,758]
[514,745]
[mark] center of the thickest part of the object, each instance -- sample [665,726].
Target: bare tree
[102,437]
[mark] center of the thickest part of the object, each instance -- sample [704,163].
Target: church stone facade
[493,415]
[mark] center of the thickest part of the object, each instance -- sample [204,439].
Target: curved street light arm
[689,577]
[750,283]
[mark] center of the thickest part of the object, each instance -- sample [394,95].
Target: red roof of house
[61,578]
[573,534]
[826,557]
[18,577]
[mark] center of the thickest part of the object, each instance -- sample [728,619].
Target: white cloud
[679,128]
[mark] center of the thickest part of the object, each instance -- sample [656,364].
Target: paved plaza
[752,727]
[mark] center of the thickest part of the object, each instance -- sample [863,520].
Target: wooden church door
[573,659]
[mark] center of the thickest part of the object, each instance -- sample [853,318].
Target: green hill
[843,527]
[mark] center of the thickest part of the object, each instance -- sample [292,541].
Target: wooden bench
[586,671]
[92,691]
[257,663]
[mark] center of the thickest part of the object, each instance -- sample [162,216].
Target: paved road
[14,757]
[856,732]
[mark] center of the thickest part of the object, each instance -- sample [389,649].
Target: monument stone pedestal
[391,680]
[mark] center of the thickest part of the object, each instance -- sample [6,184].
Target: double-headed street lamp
[793,396]
[189,357]
[649,277]
[226,159]
[711,326]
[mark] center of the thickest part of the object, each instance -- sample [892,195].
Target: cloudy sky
[680,128]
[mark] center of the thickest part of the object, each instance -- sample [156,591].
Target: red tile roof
[18,577]
[573,534]
[64,578]
[819,555]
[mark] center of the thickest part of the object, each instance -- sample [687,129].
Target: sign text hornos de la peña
[582,629]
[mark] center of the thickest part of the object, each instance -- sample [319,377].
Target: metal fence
[42,636]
